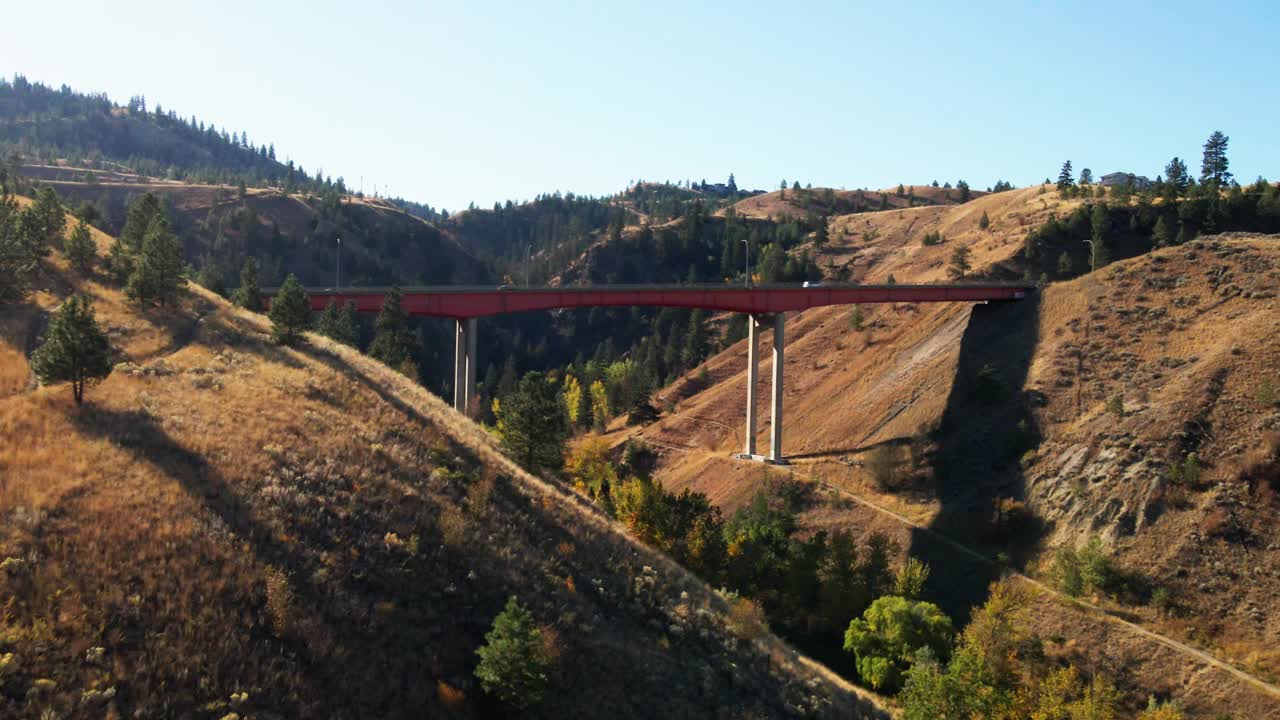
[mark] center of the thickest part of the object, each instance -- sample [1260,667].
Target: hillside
[231,527]
[912,380]
[91,130]
[829,201]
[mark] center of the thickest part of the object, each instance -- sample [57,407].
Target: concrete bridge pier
[754,324]
[464,366]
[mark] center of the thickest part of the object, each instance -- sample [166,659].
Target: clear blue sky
[471,101]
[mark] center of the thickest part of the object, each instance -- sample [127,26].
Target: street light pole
[528,261]
[746,243]
[337,273]
[1091,254]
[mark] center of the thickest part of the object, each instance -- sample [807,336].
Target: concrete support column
[775,429]
[470,386]
[460,365]
[753,367]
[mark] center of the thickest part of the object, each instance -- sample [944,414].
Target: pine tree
[128,245]
[393,342]
[1086,177]
[81,249]
[1160,234]
[820,235]
[959,266]
[855,318]
[157,273]
[1065,266]
[20,249]
[1213,168]
[290,312]
[1175,174]
[695,345]
[965,193]
[48,218]
[249,294]
[533,425]
[1100,223]
[513,665]
[1065,181]
[73,349]
[984,222]
[339,323]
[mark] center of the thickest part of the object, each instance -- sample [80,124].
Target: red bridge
[462,303]
[465,304]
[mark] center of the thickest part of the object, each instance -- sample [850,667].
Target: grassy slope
[309,528]
[844,396]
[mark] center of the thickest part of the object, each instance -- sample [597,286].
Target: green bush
[513,664]
[887,637]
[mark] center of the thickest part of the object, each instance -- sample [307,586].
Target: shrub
[746,618]
[513,662]
[884,462]
[933,238]
[1115,405]
[909,580]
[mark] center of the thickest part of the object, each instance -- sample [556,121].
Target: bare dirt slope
[912,373]
[229,526]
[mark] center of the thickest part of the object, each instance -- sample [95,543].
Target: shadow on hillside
[331,676]
[985,429]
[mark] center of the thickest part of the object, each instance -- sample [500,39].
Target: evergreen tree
[984,222]
[81,249]
[1160,234]
[1086,177]
[695,345]
[856,319]
[249,294]
[290,312]
[820,236]
[339,324]
[1065,181]
[210,278]
[1100,223]
[157,273]
[1175,176]
[393,342]
[1213,168]
[73,349]
[513,665]
[1065,266]
[20,250]
[959,266]
[48,219]
[533,425]
[965,193]
[128,245]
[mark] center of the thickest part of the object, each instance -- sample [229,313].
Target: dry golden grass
[242,527]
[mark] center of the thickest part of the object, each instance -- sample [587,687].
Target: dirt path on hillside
[1096,610]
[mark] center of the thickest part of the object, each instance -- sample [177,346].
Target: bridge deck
[463,302]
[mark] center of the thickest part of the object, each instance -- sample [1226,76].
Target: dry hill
[1184,337]
[232,527]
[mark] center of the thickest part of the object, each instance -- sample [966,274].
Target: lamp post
[528,262]
[1091,254]
[337,272]
[746,243]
